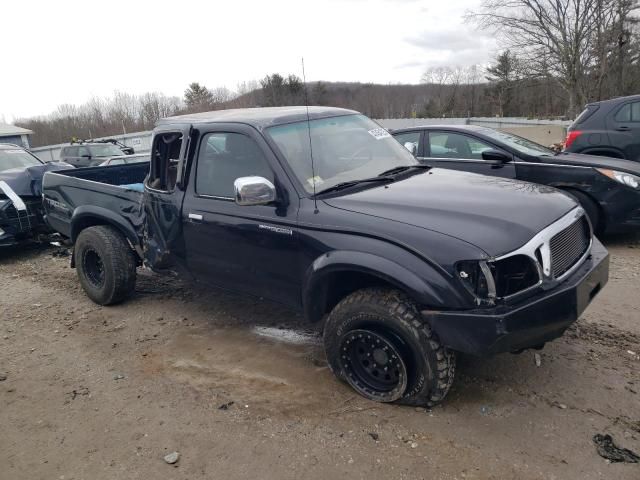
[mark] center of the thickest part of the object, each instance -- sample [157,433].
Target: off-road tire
[431,366]
[118,261]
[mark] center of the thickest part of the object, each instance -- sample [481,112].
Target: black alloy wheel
[93,267]
[374,364]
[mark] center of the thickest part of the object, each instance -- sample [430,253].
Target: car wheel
[376,340]
[591,208]
[105,263]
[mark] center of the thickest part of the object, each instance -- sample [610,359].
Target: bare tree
[551,34]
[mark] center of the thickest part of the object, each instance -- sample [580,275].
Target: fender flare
[422,290]
[86,215]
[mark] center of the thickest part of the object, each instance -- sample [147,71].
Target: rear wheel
[376,340]
[105,264]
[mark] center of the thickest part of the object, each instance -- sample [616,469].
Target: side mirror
[254,191]
[496,156]
[412,147]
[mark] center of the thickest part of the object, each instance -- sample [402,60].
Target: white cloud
[68,50]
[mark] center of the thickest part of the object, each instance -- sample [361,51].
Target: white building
[16,135]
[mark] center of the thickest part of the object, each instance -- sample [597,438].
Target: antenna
[313,169]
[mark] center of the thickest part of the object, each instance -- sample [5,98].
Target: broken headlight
[477,278]
[488,280]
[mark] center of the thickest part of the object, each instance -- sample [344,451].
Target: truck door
[252,249]
[162,199]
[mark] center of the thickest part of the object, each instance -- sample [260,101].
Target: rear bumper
[529,323]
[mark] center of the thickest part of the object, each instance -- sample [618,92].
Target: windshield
[16,158]
[520,144]
[346,148]
[106,150]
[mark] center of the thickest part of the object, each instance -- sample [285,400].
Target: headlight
[478,280]
[627,179]
[491,280]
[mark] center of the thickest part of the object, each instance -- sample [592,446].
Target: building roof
[7,130]
[259,117]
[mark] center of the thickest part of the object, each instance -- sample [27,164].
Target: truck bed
[114,191]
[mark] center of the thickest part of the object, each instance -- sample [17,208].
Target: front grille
[568,246]
[23,221]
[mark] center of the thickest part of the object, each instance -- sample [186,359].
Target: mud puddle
[271,369]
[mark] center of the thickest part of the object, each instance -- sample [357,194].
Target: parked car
[404,264]
[21,214]
[610,128]
[124,159]
[88,154]
[607,188]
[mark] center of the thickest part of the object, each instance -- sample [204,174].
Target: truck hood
[27,182]
[496,215]
[595,161]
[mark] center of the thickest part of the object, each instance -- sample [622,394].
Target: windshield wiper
[402,168]
[352,183]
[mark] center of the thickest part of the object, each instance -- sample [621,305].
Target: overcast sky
[64,51]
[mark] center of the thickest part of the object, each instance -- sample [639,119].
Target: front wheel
[105,263]
[591,208]
[376,340]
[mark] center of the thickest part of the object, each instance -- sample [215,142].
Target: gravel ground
[107,392]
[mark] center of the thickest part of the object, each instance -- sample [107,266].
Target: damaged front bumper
[529,323]
[19,219]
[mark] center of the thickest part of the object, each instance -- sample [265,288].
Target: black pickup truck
[322,210]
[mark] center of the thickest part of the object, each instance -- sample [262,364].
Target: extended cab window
[225,157]
[455,145]
[165,157]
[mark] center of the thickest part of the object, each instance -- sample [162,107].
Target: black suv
[89,154]
[610,128]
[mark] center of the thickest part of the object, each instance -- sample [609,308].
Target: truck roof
[258,117]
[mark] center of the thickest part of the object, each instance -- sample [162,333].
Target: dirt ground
[106,392]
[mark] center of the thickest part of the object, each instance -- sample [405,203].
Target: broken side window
[165,156]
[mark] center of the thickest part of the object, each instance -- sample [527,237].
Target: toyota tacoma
[322,210]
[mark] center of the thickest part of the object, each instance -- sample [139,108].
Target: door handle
[623,129]
[195,217]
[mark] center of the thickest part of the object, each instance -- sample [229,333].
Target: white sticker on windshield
[379,133]
[315,181]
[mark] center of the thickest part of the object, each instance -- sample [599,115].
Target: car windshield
[106,150]
[522,145]
[346,148]
[16,158]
